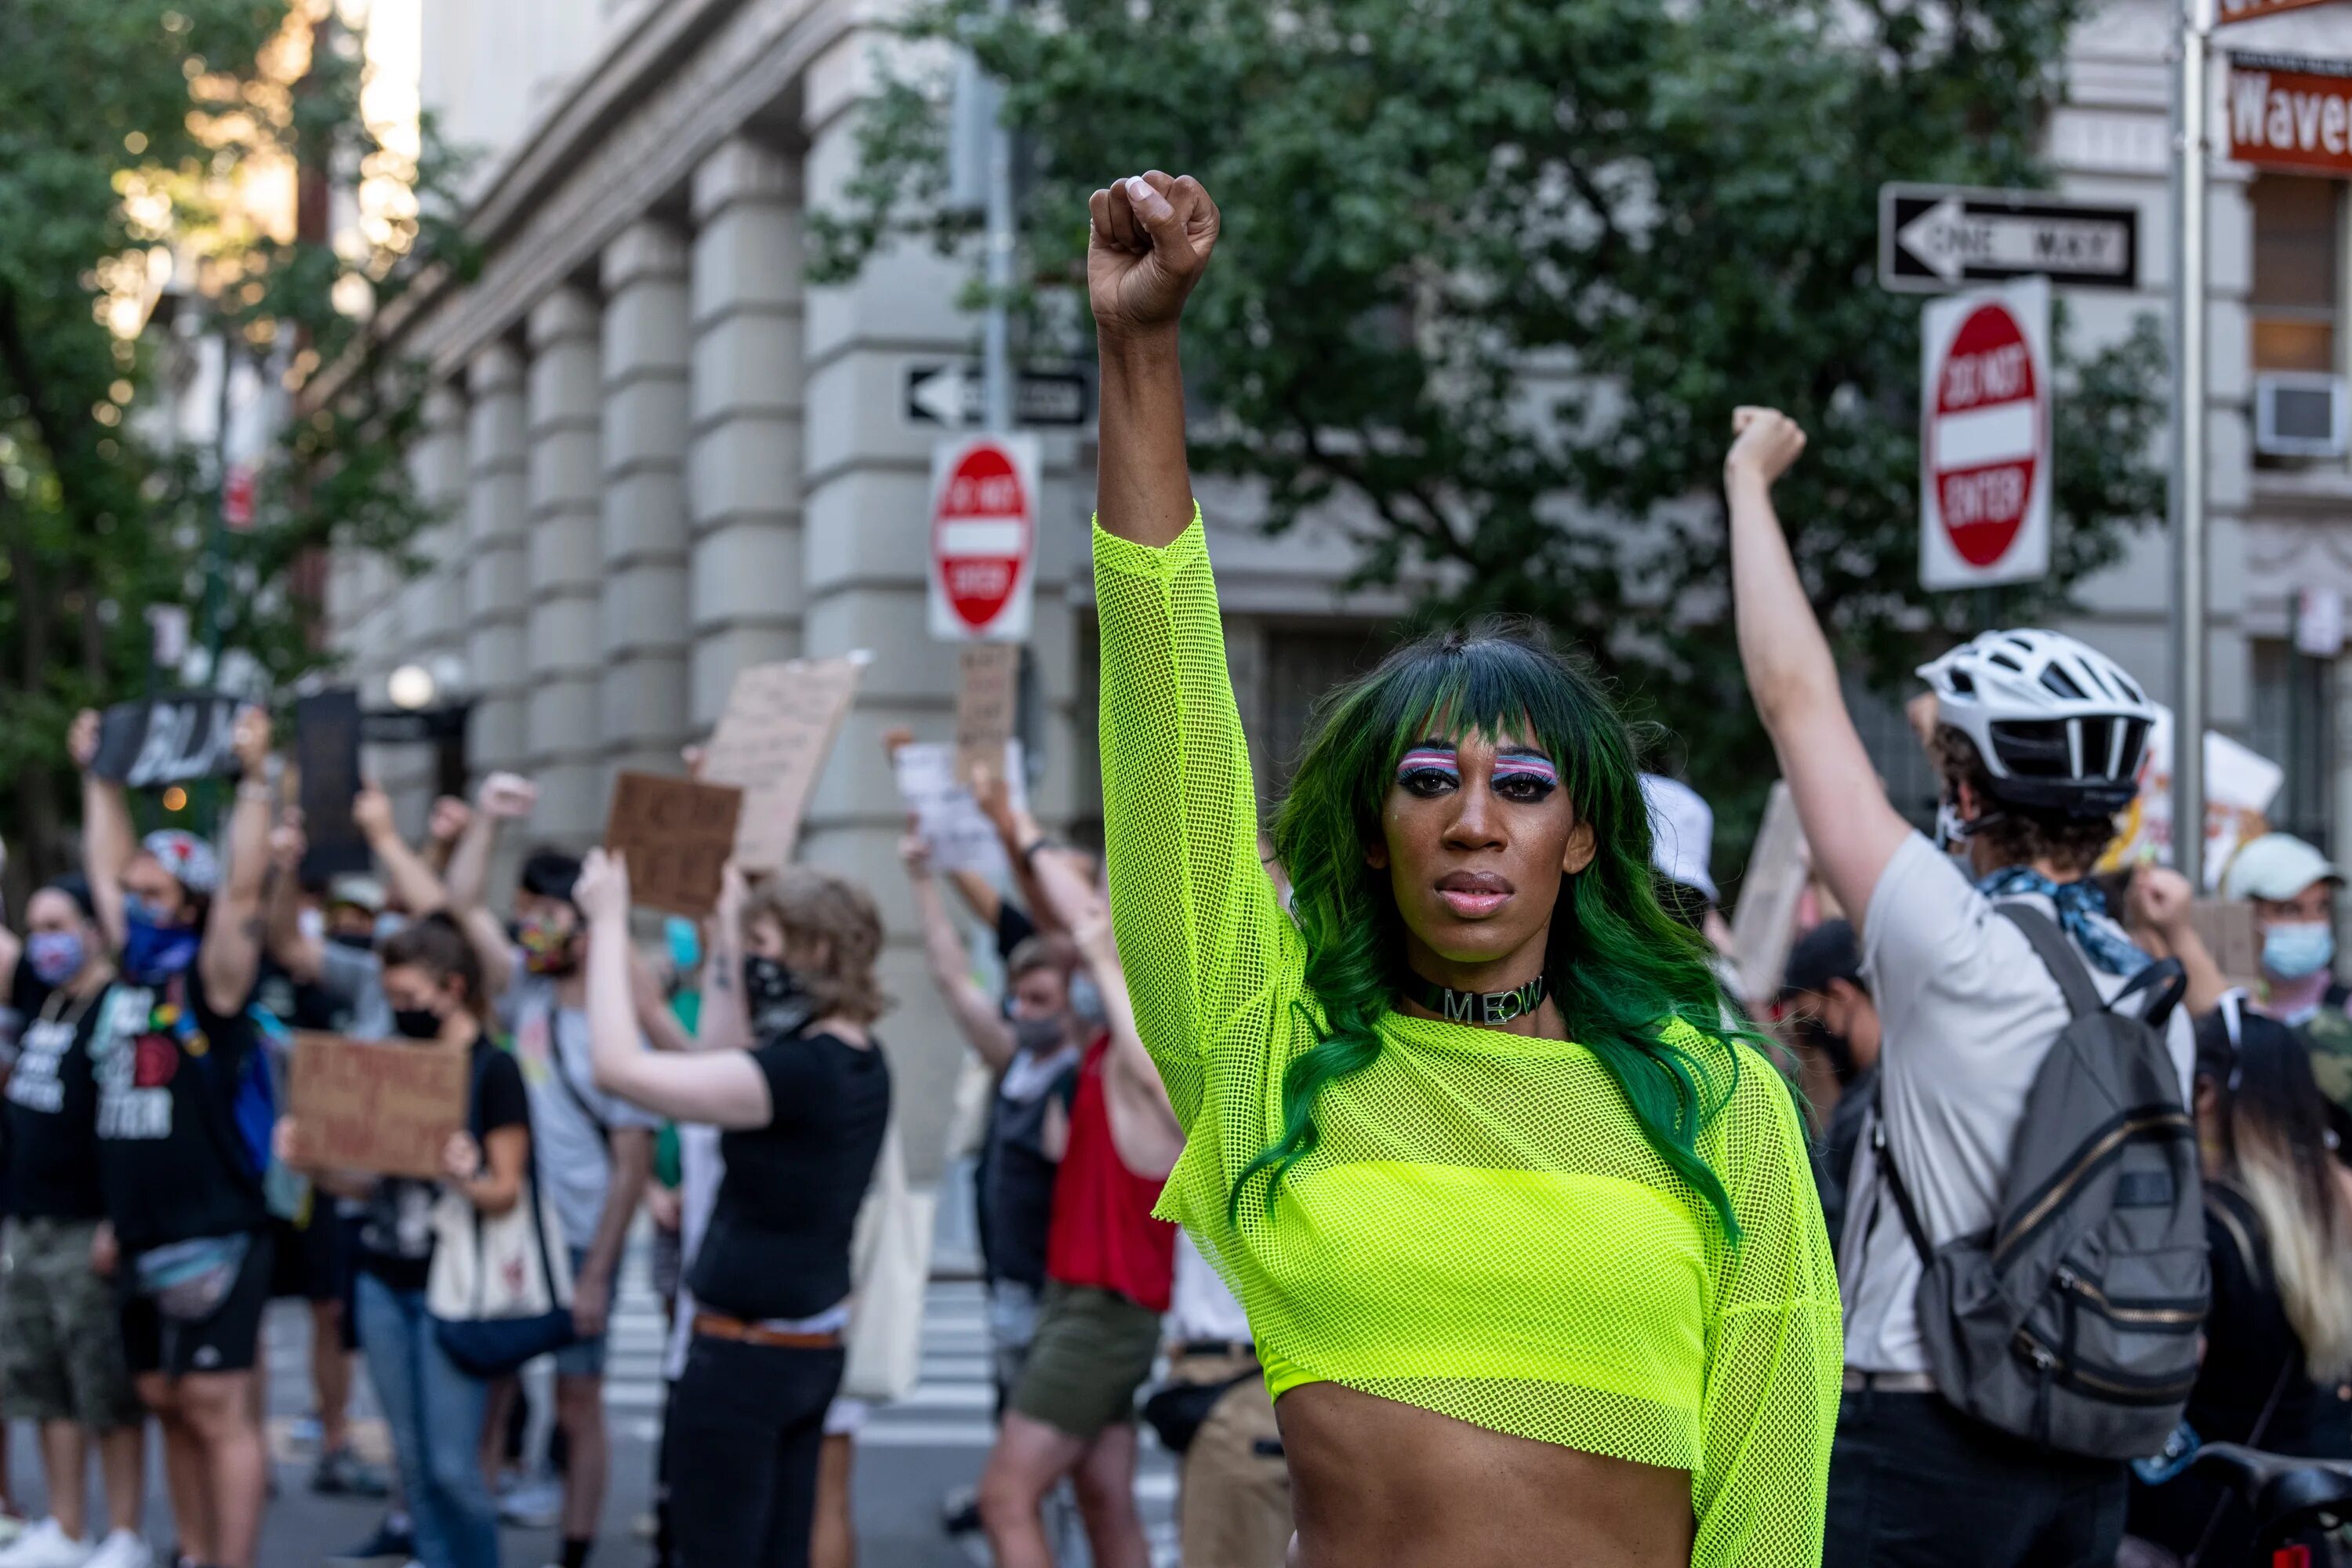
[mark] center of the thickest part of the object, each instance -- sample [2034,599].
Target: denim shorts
[584,1358]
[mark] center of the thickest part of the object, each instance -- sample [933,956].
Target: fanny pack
[190,1279]
[1177,1411]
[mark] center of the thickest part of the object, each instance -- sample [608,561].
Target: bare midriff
[1374,1481]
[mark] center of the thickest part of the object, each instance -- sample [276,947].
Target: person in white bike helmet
[2038,740]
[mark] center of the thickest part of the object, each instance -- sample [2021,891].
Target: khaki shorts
[60,1330]
[1093,1350]
[1232,1510]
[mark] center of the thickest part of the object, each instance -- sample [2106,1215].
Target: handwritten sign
[1764,927]
[987,693]
[771,742]
[961,839]
[677,835]
[168,740]
[326,757]
[387,1107]
[2227,929]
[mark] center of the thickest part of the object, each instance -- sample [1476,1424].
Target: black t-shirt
[1015,1179]
[26,993]
[172,1162]
[395,1240]
[778,1245]
[1013,927]
[52,1113]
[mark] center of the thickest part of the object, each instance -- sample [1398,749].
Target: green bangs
[1623,972]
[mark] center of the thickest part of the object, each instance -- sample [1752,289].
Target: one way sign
[1933,239]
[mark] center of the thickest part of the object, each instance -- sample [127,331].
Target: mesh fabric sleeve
[1775,1357]
[1199,931]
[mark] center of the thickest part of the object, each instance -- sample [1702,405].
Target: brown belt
[719,1326]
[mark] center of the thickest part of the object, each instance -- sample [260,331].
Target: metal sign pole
[996,342]
[2195,21]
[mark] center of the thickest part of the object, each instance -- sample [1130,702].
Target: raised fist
[508,795]
[1769,442]
[1150,242]
[81,741]
[250,739]
[448,821]
[372,814]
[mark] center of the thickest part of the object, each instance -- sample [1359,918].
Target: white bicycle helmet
[2059,724]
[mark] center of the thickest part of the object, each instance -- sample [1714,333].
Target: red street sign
[2289,112]
[984,538]
[2247,10]
[1985,441]
[236,500]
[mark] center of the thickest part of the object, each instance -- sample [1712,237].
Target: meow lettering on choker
[1476,1007]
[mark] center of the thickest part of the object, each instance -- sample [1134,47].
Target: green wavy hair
[1617,966]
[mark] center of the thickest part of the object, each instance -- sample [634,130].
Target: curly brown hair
[832,934]
[2020,835]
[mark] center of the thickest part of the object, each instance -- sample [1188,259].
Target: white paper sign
[950,821]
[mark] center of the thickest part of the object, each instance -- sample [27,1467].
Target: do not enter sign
[1984,439]
[984,538]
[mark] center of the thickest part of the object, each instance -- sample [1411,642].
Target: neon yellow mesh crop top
[1482,1230]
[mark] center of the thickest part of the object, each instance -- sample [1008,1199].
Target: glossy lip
[1473,895]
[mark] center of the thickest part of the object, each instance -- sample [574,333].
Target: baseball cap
[1826,953]
[1682,833]
[2276,867]
[189,859]
[357,889]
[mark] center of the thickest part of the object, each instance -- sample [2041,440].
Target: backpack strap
[1882,1156]
[2057,954]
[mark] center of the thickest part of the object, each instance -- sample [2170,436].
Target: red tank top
[1103,1234]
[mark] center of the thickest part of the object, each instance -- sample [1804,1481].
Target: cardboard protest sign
[168,740]
[677,835]
[387,1107]
[961,839]
[1764,927]
[771,742]
[2239,785]
[2227,929]
[327,758]
[987,693]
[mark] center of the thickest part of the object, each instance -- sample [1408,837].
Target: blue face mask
[2299,951]
[152,953]
[55,955]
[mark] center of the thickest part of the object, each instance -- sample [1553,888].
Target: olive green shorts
[61,1356]
[1093,1349]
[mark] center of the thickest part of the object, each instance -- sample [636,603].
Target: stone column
[497,577]
[563,742]
[432,608]
[743,466]
[644,717]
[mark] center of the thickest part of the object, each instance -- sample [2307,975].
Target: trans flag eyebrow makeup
[1531,765]
[1430,759]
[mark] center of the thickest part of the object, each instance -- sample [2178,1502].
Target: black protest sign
[168,740]
[327,758]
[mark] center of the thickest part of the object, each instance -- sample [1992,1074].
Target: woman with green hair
[1526,1232]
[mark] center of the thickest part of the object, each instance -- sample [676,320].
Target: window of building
[2293,726]
[2298,292]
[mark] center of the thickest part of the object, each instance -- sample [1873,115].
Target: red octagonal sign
[984,538]
[1984,445]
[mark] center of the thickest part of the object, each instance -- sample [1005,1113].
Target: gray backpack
[2073,1322]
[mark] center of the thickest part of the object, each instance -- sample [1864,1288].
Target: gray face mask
[1086,1001]
[1038,1036]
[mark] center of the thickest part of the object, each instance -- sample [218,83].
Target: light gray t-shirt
[354,978]
[570,1118]
[1966,1012]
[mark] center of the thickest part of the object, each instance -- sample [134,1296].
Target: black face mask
[1839,1050]
[416,1023]
[772,997]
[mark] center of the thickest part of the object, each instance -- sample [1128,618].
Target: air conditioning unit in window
[2300,415]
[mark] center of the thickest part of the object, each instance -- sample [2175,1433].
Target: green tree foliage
[1495,274]
[137,140]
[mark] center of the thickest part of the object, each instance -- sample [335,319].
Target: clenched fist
[1769,442]
[1150,242]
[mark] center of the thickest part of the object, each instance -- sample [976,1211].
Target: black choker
[1473,1006]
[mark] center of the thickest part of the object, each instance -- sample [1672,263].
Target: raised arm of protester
[1848,821]
[443,827]
[230,958]
[502,797]
[983,1026]
[302,955]
[2159,899]
[1018,831]
[409,875]
[107,838]
[725,1089]
[725,1023]
[1143,1126]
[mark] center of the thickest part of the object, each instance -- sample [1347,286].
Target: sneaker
[391,1546]
[342,1473]
[121,1549]
[45,1545]
[12,1525]
[960,1511]
[534,1505]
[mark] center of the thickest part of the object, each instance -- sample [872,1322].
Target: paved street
[911,1453]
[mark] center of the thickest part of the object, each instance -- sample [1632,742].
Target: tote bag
[890,1264]
[497,1293]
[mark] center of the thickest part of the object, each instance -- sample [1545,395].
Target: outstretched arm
[502,795]
[107,837]
[293,949]
[1850,827]
[231,955]
[1143,1126]
[983,1027]
[1150,241]
[417,884]
[725,1021]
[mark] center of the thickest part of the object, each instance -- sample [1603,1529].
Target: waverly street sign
[1933,239]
